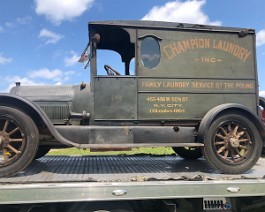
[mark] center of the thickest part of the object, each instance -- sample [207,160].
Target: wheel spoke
[244,140]
[226,154]
[219,143]
[240,134]
[13,131]
[224,131]
[5,126]
[235,130]
[16,140]
[220,136]
[223,148]
[4,156]
[239,152]
[13,149]
[233,155]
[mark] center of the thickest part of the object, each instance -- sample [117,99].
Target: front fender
[225,108]
[35,112]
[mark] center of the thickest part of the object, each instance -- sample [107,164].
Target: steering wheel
[110,70]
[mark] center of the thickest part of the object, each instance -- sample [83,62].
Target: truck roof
[168,25]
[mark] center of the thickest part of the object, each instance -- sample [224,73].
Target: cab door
[115,97]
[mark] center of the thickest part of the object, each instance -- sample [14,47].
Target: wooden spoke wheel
[233,144]
[19,139]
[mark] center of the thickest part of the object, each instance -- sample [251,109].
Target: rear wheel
[191,153]
[19,139]
[232,144]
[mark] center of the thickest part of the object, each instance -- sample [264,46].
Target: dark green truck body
[182,85]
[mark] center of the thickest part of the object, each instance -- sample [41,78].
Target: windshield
[85,56]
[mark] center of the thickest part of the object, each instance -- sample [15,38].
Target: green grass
[76,151]
[151,151]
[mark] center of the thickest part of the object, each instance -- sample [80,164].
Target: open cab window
[115,51]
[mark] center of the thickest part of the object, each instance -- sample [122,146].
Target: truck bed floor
[56,169]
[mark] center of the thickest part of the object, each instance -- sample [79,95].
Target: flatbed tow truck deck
[53,179]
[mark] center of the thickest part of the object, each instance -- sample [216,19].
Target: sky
[41,40]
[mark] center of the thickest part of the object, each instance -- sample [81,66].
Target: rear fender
[225,108]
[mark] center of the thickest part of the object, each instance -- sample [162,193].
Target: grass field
[76,151]
[152,151]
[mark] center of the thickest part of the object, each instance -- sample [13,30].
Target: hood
[45,92]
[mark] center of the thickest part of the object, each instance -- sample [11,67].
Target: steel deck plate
[124,169]
[107,178]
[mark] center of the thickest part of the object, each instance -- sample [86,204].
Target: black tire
[263,151]
[19,141]
[42,151]
[190,153]
[233,145]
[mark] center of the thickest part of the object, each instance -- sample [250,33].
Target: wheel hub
[234,142]
[4,139]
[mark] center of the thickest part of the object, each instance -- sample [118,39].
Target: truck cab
[176,72]
[190,87]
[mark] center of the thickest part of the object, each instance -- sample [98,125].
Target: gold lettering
[180,47]
[246,55]
[225,46]
[174,48]
[186,44]
[233,49]
[167,50]
[193,43]
[228,85]
[175,84]
[151,84]
[245,85]
[167,104]
[202,85]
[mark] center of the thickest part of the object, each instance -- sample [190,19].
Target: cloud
[177,11]
[9,24]
[39,77]
[57,11]
[55,75]
[260,37]
[52,38]
[262,93]
[11,80]
[18,21]
[46,74]
[23,80]
[4,60]
[72,60]
[24,20]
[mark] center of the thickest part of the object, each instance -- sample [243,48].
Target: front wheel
[232,144]
[19,140]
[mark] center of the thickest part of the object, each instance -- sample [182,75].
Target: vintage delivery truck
[186,86]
